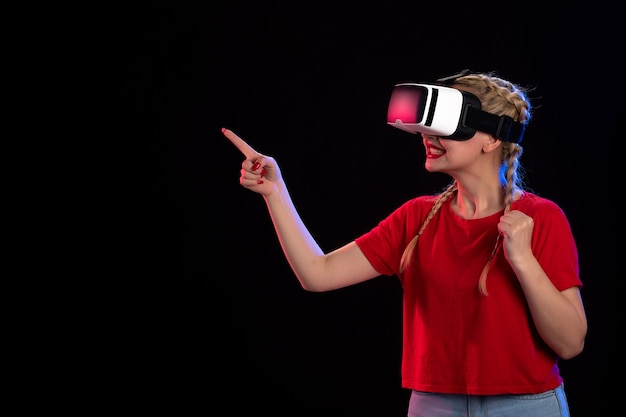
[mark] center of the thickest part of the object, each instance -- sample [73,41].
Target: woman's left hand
[516,229]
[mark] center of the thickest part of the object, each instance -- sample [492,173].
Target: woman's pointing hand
[259,173]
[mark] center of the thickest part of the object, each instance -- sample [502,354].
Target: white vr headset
[446,112]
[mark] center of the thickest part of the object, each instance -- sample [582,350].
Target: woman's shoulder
[531,203]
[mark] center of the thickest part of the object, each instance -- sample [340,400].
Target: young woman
[489,270]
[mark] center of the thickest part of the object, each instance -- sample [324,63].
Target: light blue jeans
[552,403]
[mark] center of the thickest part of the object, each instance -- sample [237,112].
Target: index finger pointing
[245,149]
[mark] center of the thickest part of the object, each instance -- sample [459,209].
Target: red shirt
[456,340]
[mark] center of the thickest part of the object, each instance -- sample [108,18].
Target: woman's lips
[434,152]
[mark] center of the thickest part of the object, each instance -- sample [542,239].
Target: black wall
[214,318]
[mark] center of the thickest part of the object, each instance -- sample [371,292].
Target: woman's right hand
[259,173]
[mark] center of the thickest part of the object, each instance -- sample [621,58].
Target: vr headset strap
[502,127]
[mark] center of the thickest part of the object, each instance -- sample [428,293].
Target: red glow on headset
[405,105]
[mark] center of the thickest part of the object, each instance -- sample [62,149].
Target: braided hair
[500,97]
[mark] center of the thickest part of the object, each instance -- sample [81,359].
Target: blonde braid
[512,153]
[500,97]
[407,255]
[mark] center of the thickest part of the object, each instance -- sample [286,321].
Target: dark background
[214,319]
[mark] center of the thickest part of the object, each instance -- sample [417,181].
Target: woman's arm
[558,315]
[315,270]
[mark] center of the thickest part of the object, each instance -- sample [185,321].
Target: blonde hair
[500,97]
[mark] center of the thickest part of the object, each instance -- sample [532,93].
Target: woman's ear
[491,143]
